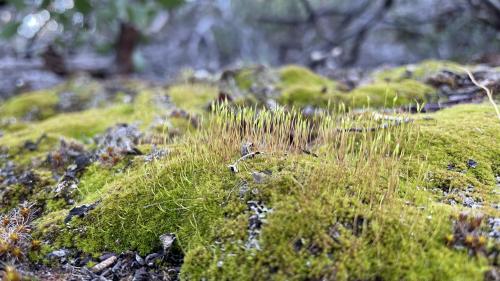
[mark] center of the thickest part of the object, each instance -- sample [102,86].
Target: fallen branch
[488,91]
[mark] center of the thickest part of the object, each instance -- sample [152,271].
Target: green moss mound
[40,104]
[418,71]
[345,195]
[300,88]
[340,216]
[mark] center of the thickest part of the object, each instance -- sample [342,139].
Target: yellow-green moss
[181,195]
[453,137]
[391,94]
[330,219]
[42,104]
[192,97]
[351,216]
[301,87]
[294,75]
[377,95]
[80,126]
[417,71]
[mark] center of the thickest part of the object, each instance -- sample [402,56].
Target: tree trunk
[125,45]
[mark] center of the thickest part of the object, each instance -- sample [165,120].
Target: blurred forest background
[42,41]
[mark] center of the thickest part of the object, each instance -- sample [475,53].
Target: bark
[125,45]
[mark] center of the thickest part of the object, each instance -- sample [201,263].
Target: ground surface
[256,174]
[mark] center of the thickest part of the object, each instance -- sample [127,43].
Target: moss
[192,97]
[318,230]
[377,95]
[40,105]
[245,78]
[392,94]
[418,71]
[180,196]
[80,126]
[370,206]
[293,75]
[303,96]
[301,87]
[451,139]
[330,219]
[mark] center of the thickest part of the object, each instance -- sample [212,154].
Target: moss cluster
[329,218]
[317,202]
[300,88]
[41,104]
[418,71]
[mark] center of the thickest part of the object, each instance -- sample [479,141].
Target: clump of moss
[418,71]
[339,214]
[318,201]
[15,239]
[294,75]
[392,94]
[33,106]
[192,97]
[452,142]
[301,87]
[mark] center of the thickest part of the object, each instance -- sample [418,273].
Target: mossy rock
[193,97]
[418,71]
[40,104]
[392,94]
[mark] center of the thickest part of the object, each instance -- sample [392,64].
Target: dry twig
[488,91]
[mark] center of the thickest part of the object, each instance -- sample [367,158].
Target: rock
[80,211]
[139,259]
[167,240]
[259,177]
[471,163]
[246,148]
[233,168]
[151,258]
[61,253]
[255,222]
[122,137]
[104,264]
[156,154]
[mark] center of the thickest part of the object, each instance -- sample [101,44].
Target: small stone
[150,259]
[259,177]
[471,163]
[233,168]
[104,264]
[139,259]
[58,253]
[246,148]
[80,211]
[167,240]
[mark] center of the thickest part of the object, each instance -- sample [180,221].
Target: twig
[234,167]
[488,91]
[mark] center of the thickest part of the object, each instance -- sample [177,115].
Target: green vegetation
[418,71]
[192,97]
[343,195]
[39,104]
